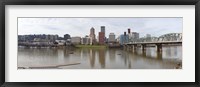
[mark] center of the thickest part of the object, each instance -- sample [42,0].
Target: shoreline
[90,46]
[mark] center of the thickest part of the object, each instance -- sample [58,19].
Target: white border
[187,74]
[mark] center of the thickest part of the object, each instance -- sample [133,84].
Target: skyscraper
[101,38]
[129,34]
[123,38]
[103,29]
[92,35]
[129,31]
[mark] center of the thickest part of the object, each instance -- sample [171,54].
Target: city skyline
[81,26]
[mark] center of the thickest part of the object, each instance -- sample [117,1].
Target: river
[100,58]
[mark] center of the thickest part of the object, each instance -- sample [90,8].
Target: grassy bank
[91,46]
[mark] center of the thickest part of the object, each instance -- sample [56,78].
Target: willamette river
[100,58]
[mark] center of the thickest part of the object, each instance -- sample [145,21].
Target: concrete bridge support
[159,48]
[144,53]
[159,55]
[143,47]
[134,48]
[130,47]
[127,47]
[124,47]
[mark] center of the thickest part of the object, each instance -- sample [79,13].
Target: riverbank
[91,46]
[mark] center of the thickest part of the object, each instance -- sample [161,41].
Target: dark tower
[129,31]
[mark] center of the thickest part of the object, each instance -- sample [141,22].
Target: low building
[134,37]
[40,40]
[51,38]
[75,40]
[21,38]
[148,37]
[85,40]
[60,42]
[111,38]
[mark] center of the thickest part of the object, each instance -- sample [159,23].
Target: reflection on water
[100,58]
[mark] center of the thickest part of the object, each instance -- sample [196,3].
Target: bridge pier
[134,48]
[143,47]
[131,48]
[124,47]
[159,48]
[159,55]
[144,50]
[127,48]
[144,53]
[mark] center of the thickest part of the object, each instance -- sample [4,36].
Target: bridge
[158,42]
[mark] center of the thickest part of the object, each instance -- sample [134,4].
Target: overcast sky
[82,26]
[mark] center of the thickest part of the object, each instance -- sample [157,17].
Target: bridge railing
[176,37]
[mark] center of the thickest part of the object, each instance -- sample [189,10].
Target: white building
[61,42]
[148,37]
[111,37]
[75,40]
[97,39]
[134,36]
[85,40]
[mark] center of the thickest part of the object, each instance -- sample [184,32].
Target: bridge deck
[165,42]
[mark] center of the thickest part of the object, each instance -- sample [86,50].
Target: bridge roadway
[133,46]
[161,42]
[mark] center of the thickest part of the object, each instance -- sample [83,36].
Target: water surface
[100,58]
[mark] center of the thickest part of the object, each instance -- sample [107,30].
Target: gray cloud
[81,26]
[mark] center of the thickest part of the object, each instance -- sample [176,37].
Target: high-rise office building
[124,33]
[101,38]
[92,35]
[123,39]
[129,31]
[129,35]
[103,29]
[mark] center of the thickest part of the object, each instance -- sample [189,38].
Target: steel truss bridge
[170,38]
